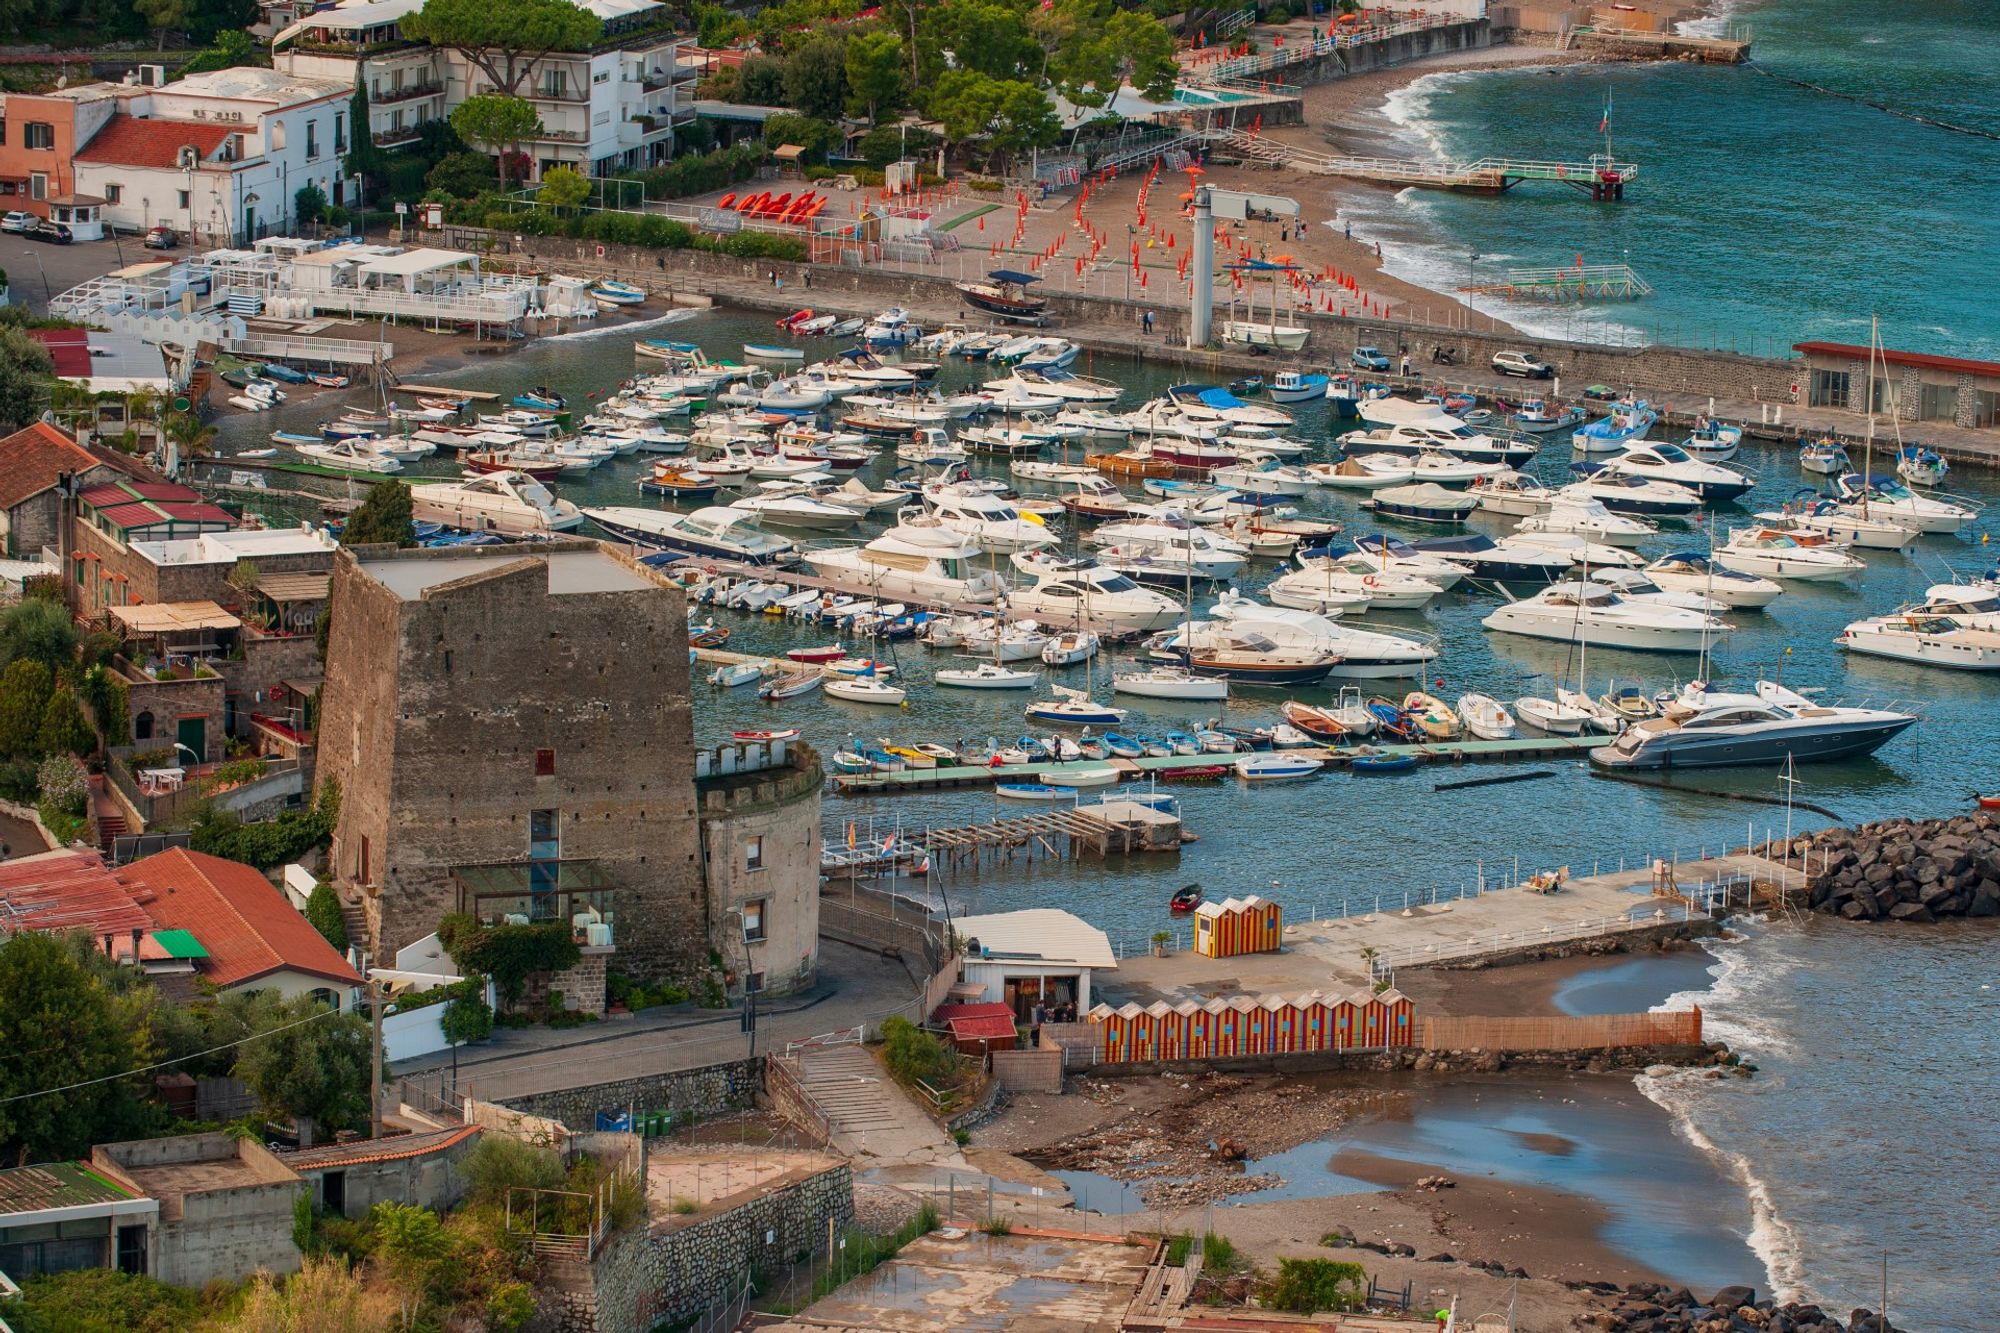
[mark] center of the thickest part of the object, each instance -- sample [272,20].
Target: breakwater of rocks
[1914,870]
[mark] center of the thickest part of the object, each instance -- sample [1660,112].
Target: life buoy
[1795,392]
[600,252]
[711,569]
[1368,581]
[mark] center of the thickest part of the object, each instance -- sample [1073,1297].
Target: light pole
[47,296]
[1471,258]
[749,996]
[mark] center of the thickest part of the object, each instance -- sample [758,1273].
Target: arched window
[142,727]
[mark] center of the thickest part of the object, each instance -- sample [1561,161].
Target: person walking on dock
[1146,322]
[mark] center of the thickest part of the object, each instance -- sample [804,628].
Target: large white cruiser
[510,502]
[1364,654]
[1087,594]
[918,558]
[995,526]
[717,532]
[1399,426]
[1207,555]
[1600,617]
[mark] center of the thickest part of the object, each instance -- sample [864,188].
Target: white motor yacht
[792,505]
[510,502]
[1598,616]
[1925,638]
[1420,426]
[1591,520]
[716,532]
[1087,593]
[1431,465]
[1670,463]
[1628,494]
[1207,555]
[1845,525]
[1889,500]
[1509,492]
[1267,478]
[918,558]
[995,526]
[1350,583]
[1364,654]
[350,455]
[1691,571]
[1777,554]
[1393,555]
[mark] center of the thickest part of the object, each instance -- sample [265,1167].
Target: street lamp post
[47,296]
[749,996]
[1471,258]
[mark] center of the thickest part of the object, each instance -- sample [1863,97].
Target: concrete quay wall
[1111,323]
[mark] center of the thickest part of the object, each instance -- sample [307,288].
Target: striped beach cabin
[1247,1025]
[1237,926]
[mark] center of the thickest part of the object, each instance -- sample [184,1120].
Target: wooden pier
[1577,282]
[1115,828]
[1602,178]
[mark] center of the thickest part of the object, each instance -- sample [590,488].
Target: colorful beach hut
[1238,926]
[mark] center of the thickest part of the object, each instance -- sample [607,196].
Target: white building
[612,108]
[220,156]
[1040,955]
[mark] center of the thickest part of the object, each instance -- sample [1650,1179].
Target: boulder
[1915,912]
[1731,1298]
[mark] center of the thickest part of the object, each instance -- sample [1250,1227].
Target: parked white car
[17,221]
[1525,364]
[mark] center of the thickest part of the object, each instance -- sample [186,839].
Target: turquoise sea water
[1764,213]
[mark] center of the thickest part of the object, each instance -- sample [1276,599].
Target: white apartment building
[609,109]
[219,156]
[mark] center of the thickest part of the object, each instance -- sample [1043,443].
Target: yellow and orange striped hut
[1237,926]
[1247,1025]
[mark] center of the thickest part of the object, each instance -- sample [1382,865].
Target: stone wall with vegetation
[678,1268]
[707,1091]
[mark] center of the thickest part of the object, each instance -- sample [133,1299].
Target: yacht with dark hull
[1714,729]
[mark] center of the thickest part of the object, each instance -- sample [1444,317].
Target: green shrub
[1218,1255]
[508,953]
[323,910]
[100,1300]
[980,185]
[1305,1286]
[914,1054]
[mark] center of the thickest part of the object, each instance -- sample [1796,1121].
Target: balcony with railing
[409,92]
[393,138]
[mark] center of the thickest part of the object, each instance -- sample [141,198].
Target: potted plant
[1161,939]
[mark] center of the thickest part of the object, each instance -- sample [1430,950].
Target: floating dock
[946,777]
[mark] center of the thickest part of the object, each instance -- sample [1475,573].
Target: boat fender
[711,569]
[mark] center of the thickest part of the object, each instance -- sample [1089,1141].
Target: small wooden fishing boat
[832,652]
[1192,773]
[1432,716]
[772,352]
[326,381]
[1989,802]
[790,687]
[1319,723]
[1186,898]
[711,637]
[779,734]
[1375,765]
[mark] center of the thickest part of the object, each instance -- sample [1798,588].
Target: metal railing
[783,1077]
[333,351]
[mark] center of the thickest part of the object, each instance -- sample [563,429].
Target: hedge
[641,229]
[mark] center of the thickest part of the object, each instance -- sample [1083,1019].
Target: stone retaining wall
[709,1090]
[676,1269]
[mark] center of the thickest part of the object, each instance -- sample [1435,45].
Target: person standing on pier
[1146,322]
[1406,365]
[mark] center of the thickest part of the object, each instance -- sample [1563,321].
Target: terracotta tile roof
[68,891]
[30,1189]
[32,460]
[136,502]
[246,925]
[128,141]
[69,349]
[363,1151]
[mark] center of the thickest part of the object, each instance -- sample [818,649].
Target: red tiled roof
[68,891]
[34,459]
[363,1151]
[128,141]
[1921,360]
[121,492]
[243,921]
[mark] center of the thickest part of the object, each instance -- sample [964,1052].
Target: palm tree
[194,437]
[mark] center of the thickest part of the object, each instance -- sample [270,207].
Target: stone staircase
[865,1110]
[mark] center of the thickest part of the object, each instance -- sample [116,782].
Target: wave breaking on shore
[1726,1008]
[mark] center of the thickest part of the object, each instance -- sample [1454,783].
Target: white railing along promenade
[1293,53]
[336,351]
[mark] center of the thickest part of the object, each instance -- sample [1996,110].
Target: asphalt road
[37,270]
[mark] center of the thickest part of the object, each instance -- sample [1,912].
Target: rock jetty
[1901,869]
[1651,1307]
